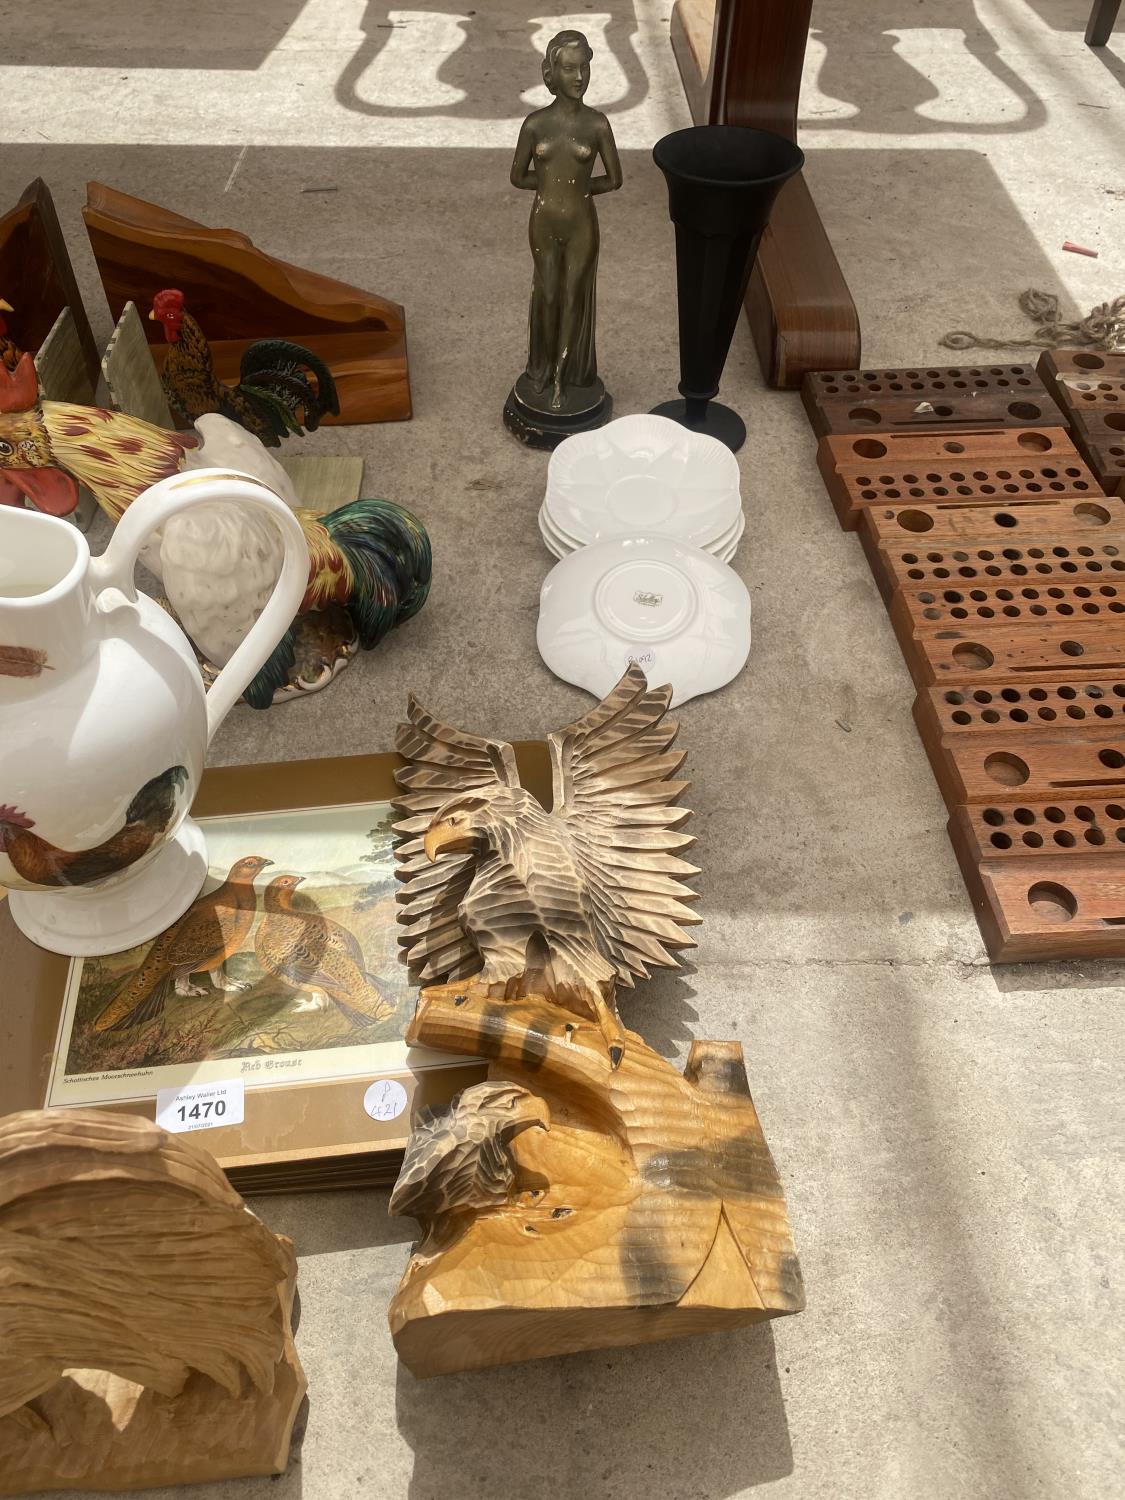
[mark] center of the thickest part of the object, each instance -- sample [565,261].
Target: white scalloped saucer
[677,611]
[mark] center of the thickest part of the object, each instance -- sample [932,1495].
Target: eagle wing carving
[443,762]
[613,775]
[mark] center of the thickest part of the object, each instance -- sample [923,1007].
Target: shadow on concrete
[888,90]
[653,1419]
[142,34]
[1060,974]
[490,78]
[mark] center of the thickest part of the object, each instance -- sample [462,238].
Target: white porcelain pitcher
[104,724]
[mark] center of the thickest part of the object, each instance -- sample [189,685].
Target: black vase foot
[718,421]
[542,429]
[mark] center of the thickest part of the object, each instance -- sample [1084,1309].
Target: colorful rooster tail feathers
[387,553]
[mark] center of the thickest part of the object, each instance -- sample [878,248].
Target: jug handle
[115,567]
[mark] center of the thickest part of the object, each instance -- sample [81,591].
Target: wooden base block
[966,708]
[953,399]
[1087,558]
[1090,389]
[1020,655]
[1040,909]
[1101,437]
[1009,828]
[954,521]
[1076,761]
[983,603]
[650,1209]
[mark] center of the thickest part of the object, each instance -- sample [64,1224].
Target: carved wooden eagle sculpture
[570,902]
[460,1161]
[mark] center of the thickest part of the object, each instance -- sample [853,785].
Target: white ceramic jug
[104,723]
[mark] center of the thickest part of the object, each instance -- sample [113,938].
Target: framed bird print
[284,976]
[284,968]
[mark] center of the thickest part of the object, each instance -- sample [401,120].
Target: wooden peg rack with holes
[994,524]
[1090,389]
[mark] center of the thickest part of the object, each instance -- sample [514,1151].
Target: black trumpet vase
[722,182]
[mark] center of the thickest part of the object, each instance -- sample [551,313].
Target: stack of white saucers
[644,517]
[642,476]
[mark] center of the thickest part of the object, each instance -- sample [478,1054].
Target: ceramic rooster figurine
[218,564]
[9,350]
[282,387]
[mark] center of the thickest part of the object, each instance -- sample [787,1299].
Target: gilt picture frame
[310,1129]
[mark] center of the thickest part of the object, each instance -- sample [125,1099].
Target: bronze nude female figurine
[559,392]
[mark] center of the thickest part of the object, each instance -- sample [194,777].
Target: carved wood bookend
[145,1313]
[588,1194]
[240,294]
[600,1206]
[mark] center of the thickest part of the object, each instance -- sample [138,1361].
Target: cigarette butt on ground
[1079,249]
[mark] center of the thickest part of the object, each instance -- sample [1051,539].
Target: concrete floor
[948,1133]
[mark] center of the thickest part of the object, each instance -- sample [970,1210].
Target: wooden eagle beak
[447,836]
[530,1112]
[6,306]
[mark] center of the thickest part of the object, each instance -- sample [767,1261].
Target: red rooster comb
[16,818]
[169,300]
[19,391]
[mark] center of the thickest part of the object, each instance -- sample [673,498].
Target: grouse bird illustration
[570,902]
[39,863]
[282,387]
[307,951]
[460,1161]
[209,932]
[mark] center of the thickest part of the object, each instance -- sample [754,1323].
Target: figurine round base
[718,421]
[119,913]
[539,427]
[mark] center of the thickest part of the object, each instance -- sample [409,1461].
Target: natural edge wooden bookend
[589,1194]
[145,1313]
[37,280]
[240,294]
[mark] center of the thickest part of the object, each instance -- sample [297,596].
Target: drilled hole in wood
[1024,815]
[1035,442]
[1025,410]
[1112,758]
[918,520]
[869,448]
[1116,420]
[1054,815]
[863,414]
[993,816]
[1005,768]
[973,655]
[1054,903]
[1086,361]
[1088,514]
[1072,648]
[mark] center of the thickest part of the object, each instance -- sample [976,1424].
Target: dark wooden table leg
[1103,18]
[741,62]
